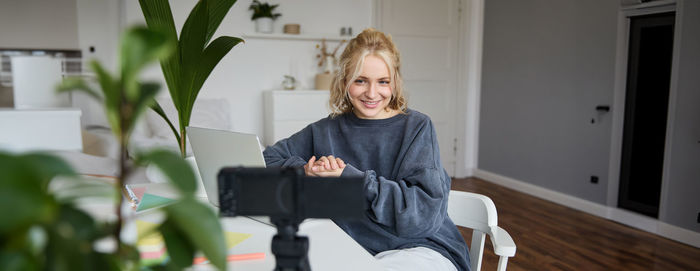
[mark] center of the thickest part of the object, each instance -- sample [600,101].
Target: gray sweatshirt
[405,184]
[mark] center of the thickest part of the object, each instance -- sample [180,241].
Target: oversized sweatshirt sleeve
[415,204]
[290,152]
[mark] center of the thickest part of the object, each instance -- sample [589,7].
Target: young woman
[372,134]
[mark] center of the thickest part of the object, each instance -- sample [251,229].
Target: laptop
[214,149]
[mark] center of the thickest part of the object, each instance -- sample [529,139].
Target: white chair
[478,213]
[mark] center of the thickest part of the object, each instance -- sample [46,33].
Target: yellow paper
[149,236]
[235,238]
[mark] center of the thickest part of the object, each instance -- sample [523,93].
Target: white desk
[330,248]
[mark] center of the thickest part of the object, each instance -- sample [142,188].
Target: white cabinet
[40,129]
[288,111]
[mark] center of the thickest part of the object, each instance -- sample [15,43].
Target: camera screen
[288,193]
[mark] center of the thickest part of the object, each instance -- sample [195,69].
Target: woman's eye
[359,81]
[384,82]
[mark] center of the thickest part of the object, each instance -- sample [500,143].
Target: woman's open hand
[326,166]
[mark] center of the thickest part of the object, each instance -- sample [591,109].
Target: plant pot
[155,175]
[263,25]
[323,81]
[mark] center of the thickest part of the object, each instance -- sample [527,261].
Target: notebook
[214,149]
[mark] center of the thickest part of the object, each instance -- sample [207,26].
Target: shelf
[279,36]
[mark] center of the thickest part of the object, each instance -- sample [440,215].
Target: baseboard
[464,173]
[615,214]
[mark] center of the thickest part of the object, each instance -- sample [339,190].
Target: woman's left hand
[325,166]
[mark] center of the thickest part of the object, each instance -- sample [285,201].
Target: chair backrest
[478,213]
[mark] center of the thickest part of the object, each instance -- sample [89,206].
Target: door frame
[619,94]
[471,37]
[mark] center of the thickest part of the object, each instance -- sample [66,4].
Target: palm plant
[195,57]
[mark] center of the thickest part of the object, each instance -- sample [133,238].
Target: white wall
[259,65]
[546,65]
[38,24]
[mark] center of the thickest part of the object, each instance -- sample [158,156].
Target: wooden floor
[549,236]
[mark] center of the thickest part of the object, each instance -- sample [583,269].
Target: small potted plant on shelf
[263,15]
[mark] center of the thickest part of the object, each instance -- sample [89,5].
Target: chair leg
[476,251]
[502,263]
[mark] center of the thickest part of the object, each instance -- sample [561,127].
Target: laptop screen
[214,149]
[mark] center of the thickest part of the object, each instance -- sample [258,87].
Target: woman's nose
[371,90]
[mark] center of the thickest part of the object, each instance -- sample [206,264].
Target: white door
[426,34]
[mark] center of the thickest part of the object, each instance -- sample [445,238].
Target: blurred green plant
[195,57]
[42,229]
[263,10]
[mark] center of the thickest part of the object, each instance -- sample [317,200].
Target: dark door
[646,112]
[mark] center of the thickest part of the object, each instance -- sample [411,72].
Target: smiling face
[370,93]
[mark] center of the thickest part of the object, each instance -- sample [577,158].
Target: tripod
[290,249]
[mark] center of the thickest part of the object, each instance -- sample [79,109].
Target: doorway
[646,112]
[427,33]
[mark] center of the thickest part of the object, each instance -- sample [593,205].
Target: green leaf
[71,239]
[128,260]
[112,96]
[77,83]
[109,262]
[217,11]
[202,227]
[146,97]
[180,249]
[192,42]
[263,10]
[159,16]
[23,194]
[172,67]
[27,207]
[139,47]
[174,167]
[210,58]
[48,167]
[13,260]
[73,223]
[159,110]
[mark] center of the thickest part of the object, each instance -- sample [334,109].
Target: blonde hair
[369,42]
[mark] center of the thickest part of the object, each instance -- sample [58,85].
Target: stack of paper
[150,243]
[152,246]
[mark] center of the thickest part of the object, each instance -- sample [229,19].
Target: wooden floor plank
[550,236]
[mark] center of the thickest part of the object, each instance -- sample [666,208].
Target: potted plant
[45,229]
[263,15]
[328,62]
[188,68]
